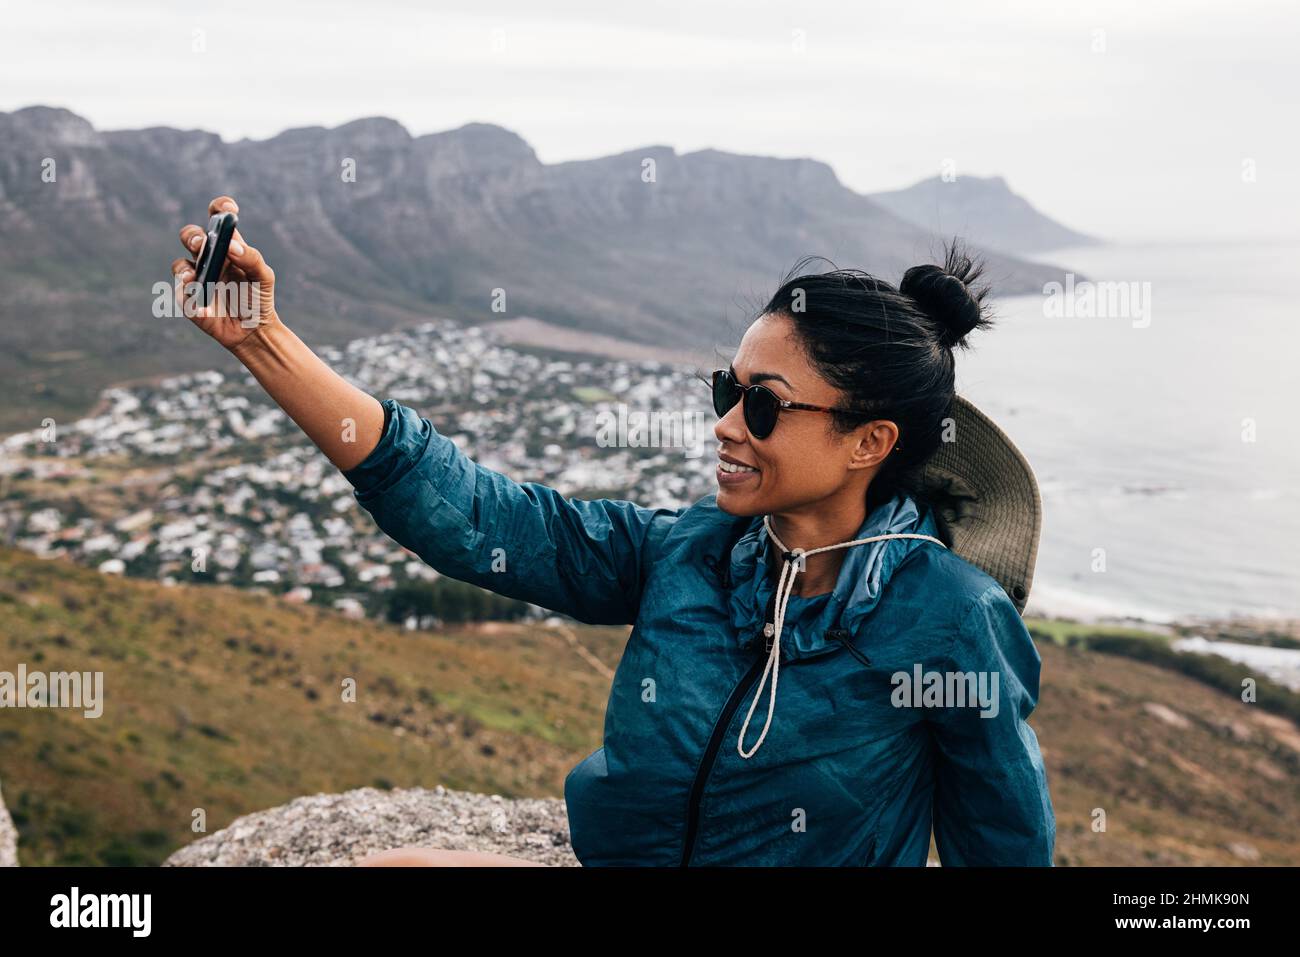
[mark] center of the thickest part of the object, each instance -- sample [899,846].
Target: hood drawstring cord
[793,565]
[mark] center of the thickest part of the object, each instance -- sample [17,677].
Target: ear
[874,443]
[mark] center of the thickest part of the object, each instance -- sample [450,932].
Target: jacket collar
[865,572]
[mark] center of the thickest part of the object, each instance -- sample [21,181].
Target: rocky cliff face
[338,830]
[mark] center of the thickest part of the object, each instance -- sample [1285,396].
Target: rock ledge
[9,837]
[337,830]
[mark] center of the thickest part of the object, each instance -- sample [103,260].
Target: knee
[438,857]
[407,857]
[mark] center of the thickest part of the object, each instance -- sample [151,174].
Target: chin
[739,504]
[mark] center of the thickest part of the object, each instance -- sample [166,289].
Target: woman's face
[805,462]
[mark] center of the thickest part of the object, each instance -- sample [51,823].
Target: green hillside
[231,702]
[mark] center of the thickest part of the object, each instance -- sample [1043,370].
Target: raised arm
[344,422]
[586,559]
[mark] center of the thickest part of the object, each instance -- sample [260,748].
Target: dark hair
[889,351]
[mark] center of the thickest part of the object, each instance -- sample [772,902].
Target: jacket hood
[865,572]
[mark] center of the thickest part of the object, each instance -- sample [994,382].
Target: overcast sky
[1130,120]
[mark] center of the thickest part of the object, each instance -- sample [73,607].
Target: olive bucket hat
[986,492]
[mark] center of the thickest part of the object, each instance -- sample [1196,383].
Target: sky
[1136,122]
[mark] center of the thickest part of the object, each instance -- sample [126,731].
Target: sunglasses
[762,406]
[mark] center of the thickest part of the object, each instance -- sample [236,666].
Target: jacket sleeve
[992,806]
[585,559]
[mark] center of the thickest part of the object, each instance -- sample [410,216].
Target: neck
[829,524]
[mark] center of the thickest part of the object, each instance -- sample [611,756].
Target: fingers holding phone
[228,289]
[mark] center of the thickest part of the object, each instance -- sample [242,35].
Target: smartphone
[212,257]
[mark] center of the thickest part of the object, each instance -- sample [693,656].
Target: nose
[731,427]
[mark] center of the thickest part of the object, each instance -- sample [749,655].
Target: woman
[823,565]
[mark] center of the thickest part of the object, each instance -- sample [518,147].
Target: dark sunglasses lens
[761,410]
[726,393]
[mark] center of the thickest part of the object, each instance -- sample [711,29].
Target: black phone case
[221,227]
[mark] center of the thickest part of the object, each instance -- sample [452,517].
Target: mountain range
[369,227]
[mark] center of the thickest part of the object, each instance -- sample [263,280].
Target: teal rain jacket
[852,771]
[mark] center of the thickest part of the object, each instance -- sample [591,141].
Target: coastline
[1049,602]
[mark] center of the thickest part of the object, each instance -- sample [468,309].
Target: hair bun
[949,296]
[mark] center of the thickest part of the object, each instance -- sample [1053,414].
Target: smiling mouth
[735,469]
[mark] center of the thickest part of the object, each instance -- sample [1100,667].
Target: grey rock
[1245,851]
[338,830]
[8,837]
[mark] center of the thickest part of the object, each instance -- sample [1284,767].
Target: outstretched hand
[243,299]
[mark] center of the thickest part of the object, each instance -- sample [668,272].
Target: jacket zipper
[715,741]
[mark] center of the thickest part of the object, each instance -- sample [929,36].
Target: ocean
[1165,439]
